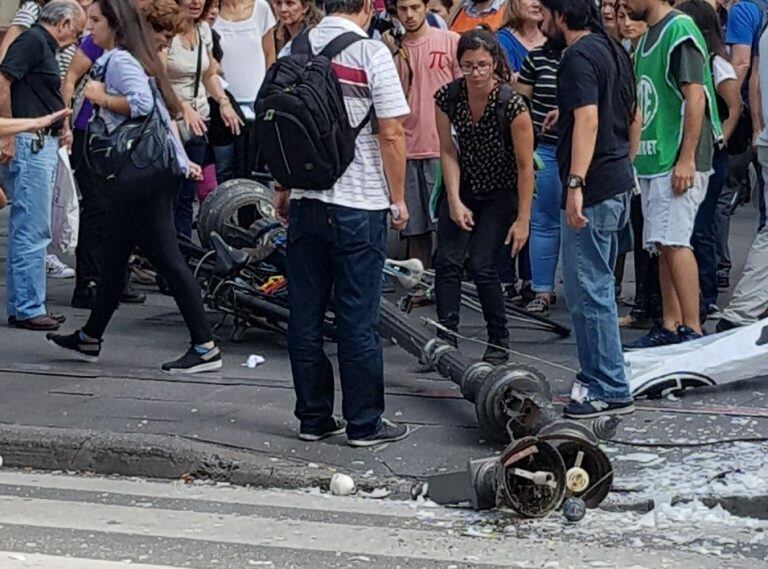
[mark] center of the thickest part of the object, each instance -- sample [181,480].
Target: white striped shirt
[368,76]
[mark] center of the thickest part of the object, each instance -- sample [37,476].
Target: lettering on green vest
[660,101]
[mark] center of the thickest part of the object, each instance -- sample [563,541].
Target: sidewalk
[123,416]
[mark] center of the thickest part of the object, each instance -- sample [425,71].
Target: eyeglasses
[482,68]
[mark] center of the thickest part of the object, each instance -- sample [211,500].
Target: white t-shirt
[182,69]
[244,64]
[722,70]
[368,77]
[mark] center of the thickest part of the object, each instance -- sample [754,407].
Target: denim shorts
[669,218]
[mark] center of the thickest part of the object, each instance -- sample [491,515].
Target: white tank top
[243,64]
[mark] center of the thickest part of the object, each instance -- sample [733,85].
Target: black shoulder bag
[136,159]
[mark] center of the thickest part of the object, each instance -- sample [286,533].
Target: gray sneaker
[386,432]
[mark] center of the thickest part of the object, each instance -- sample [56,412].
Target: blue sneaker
[592,408]
[658,336]
[686,334]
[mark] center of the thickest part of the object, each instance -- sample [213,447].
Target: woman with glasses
[488,179]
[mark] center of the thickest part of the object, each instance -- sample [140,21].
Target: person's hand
[65,137]
[403,216]
[462,216]
[230,118]
[194,171]
[7,149]
[192,120]
[282,202]
[574,205]
[550,121]
[682,176]
[517,235]
[95,92]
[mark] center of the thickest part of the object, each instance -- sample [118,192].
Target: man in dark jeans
[596,98]
[336,245]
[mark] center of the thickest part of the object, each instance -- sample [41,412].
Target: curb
[169,457]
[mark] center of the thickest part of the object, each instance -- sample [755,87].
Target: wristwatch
[574,182]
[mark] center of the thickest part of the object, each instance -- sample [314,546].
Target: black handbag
[134,160]
[219,133]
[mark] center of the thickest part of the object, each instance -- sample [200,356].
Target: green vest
[661,102]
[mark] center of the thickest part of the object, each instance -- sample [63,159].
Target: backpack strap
[453,96]
[334,48]
[339,44]
[505,95]
[300,44]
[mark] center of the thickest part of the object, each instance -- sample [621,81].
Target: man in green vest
[680,126]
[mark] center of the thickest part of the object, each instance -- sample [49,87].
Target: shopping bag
[65,213]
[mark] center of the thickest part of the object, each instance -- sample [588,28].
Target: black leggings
[493,218]
[149,224]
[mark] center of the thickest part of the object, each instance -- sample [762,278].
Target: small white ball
[342,485]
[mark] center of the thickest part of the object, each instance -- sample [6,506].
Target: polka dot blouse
[487,166]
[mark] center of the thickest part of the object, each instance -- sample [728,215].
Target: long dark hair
[584,15]
[132,33]
[483,38]
[708,21]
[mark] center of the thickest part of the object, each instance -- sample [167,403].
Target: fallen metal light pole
[549,462]
[511,401]
[534,475]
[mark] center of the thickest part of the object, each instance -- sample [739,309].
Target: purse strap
[199,71]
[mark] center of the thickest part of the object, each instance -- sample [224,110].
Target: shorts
[420,177]
[669,218]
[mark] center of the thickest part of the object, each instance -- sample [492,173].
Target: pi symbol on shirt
[647,99]
[438,59]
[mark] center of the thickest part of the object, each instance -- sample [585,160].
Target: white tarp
[716,359]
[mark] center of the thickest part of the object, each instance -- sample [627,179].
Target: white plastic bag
[65,214]
[741,353]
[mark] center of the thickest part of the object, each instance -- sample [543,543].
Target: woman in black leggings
[488,183]
[129,66]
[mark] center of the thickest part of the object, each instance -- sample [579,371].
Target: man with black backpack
[329,122]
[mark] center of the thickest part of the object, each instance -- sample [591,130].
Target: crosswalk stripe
[295,534]
[225,495]
[15,560]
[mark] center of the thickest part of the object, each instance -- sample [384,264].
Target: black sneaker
[658,336]
[334,427]
[596,408]
[725,325]
[195,362]
[72,344]
[497,352]
[387,432]
[686,334]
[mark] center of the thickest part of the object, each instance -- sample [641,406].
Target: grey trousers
[750,298]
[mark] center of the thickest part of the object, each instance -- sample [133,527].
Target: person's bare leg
[670,304]
[420,247]
[685,276]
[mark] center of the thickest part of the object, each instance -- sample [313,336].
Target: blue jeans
[545,222]
[336,251]
[704,239]
[29,181]
[589,255]
[183,205]
[224,158]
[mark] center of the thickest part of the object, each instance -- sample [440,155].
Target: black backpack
[302,128]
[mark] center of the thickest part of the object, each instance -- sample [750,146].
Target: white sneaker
[56,269]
